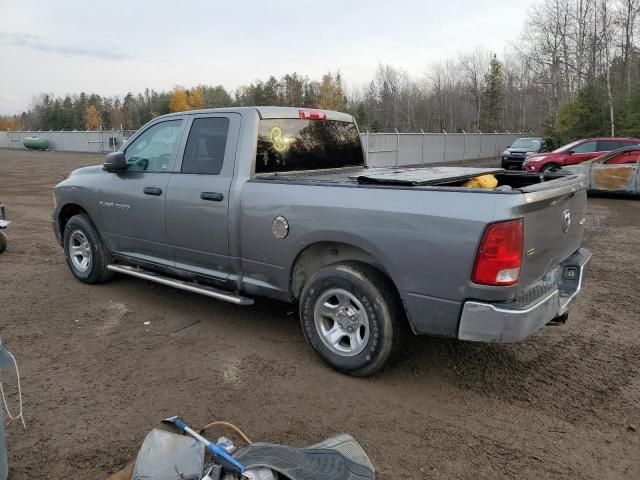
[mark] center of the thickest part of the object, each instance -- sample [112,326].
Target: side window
[608,145]
[152,151]
[587,147]
[624,158]
[204,152]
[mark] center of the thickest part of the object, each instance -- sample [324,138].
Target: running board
[181,285]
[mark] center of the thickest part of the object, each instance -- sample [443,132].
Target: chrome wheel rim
[80,251]
[341,322]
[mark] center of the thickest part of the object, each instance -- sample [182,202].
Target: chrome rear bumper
[530,311]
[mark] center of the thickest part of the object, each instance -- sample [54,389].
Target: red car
[574,153]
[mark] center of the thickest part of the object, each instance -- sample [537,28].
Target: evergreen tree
[493,96]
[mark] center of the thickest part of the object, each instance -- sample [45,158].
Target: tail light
[312,115]
[500,254]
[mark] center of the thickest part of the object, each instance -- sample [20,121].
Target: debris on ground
[169,456]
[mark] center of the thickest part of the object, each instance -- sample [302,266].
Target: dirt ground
[96,377]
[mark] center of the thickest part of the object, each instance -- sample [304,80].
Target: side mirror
[115,162]
[570,152]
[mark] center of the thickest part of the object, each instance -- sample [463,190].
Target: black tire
[550,168]
[81,226]
[384,315]
[3,241]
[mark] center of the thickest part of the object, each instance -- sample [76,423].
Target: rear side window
[608,145]
[207,142]
[286,145]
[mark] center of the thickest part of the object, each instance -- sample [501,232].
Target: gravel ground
[96,377]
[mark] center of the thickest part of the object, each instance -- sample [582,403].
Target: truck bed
[424,178]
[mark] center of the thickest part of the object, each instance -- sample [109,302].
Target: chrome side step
[181,285]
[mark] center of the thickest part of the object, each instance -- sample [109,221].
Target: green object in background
[35,143]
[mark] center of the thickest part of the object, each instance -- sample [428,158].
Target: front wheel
[83,249]
[551,168]
[351,317]
[3,241]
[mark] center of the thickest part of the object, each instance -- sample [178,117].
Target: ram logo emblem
[566,220]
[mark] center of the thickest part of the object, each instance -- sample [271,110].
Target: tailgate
[554,218]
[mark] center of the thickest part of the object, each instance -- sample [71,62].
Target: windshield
[286,145]
[528,143]
[568,146]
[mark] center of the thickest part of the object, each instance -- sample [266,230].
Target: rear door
[198,196]
[617,174]
[132,202]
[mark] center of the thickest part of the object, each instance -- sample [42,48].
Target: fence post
[444,150]
[397,145]
[422,150]
[367,146]
[464,145]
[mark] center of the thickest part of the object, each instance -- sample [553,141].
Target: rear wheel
[3,241]
[351,317]
[83,249]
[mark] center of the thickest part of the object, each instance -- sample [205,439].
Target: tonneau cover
[424,175]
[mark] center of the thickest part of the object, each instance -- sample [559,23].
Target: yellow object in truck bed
[483,181]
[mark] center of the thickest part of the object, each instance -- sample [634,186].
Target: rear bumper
[511,322]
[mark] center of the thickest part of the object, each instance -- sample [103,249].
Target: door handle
[152,191]
[212,196]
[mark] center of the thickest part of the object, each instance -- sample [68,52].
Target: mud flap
[560,320]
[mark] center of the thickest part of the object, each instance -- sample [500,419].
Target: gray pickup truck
[279,202]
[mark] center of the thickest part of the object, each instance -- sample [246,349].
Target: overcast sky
[73,46]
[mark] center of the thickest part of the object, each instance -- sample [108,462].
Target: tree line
[574,72]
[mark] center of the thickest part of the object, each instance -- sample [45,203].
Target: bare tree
[475,66]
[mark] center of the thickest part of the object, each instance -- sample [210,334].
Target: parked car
[614,172]
[574,153]
[516,153]
[280,202]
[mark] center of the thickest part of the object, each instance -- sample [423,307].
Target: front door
[616,174]
[583,152]
[198,196]
[132,202]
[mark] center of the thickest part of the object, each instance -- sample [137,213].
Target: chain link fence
[382,149]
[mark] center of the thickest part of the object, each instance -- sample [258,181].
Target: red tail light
[312,115]
[500,254]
